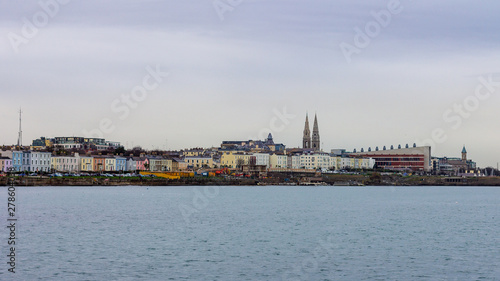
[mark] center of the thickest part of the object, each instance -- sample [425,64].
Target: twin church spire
[308,141]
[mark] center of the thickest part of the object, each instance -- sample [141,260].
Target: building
[346,163]
[112,144]
[175,164]
[309,142]
[273,146]
[17,160]
[67,164]
[86,164]
[401,159]
[137,164]
[77,143]
[262,159]
[194,162]
[266,145]
[234,160]
[110,164]
[41,143]
[314,160]
[293,161]
[121,163]
[26,166]
[454,165]
[32,161]
[178,164]
[99,163]
[193,152]
[278,160]
[159,164]
[306,135]
[5,164]
[315,143]
[435,164]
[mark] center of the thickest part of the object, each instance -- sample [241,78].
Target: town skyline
[131,145]
[177,75]
[310,144]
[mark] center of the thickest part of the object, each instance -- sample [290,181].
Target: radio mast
[20,136]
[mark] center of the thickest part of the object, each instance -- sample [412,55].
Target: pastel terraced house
[234,160]
[5,164]
[137,164]
[17,160]
[121,163]
[99,163]
[86,164]
[160,164]
[278,161]
[110,164]
[67,164]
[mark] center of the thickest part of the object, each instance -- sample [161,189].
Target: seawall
[351,180]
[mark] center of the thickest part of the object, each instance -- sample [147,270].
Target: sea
[252,233]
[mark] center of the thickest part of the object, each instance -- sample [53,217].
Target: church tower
[315,135]
[306,139]
[464,154]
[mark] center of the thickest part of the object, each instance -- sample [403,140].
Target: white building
[26,161]
[317,160]
[262,159]
[38,161]
[69,146]
[278,161]
[324,161]
[355,163]
[131,164]
[294,161]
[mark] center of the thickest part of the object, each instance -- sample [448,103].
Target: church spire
[315,135]
[306,139]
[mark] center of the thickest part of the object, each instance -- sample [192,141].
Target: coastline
[331,180]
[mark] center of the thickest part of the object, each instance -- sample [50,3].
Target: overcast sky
[375,72]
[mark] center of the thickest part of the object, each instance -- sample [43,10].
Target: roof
[137,158]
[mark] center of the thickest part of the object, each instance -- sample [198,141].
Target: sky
[193,73]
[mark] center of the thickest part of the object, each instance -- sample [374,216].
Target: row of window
[197,161]
[401,164]
[33,162]
[393,159]
[63,160]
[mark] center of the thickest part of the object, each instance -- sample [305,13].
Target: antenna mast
[20,136]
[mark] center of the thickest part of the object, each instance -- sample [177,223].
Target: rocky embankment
[326,179]
[117,181]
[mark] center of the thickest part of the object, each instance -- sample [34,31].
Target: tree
[119,150]
[240,162]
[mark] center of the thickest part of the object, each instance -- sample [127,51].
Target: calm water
[254,233]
